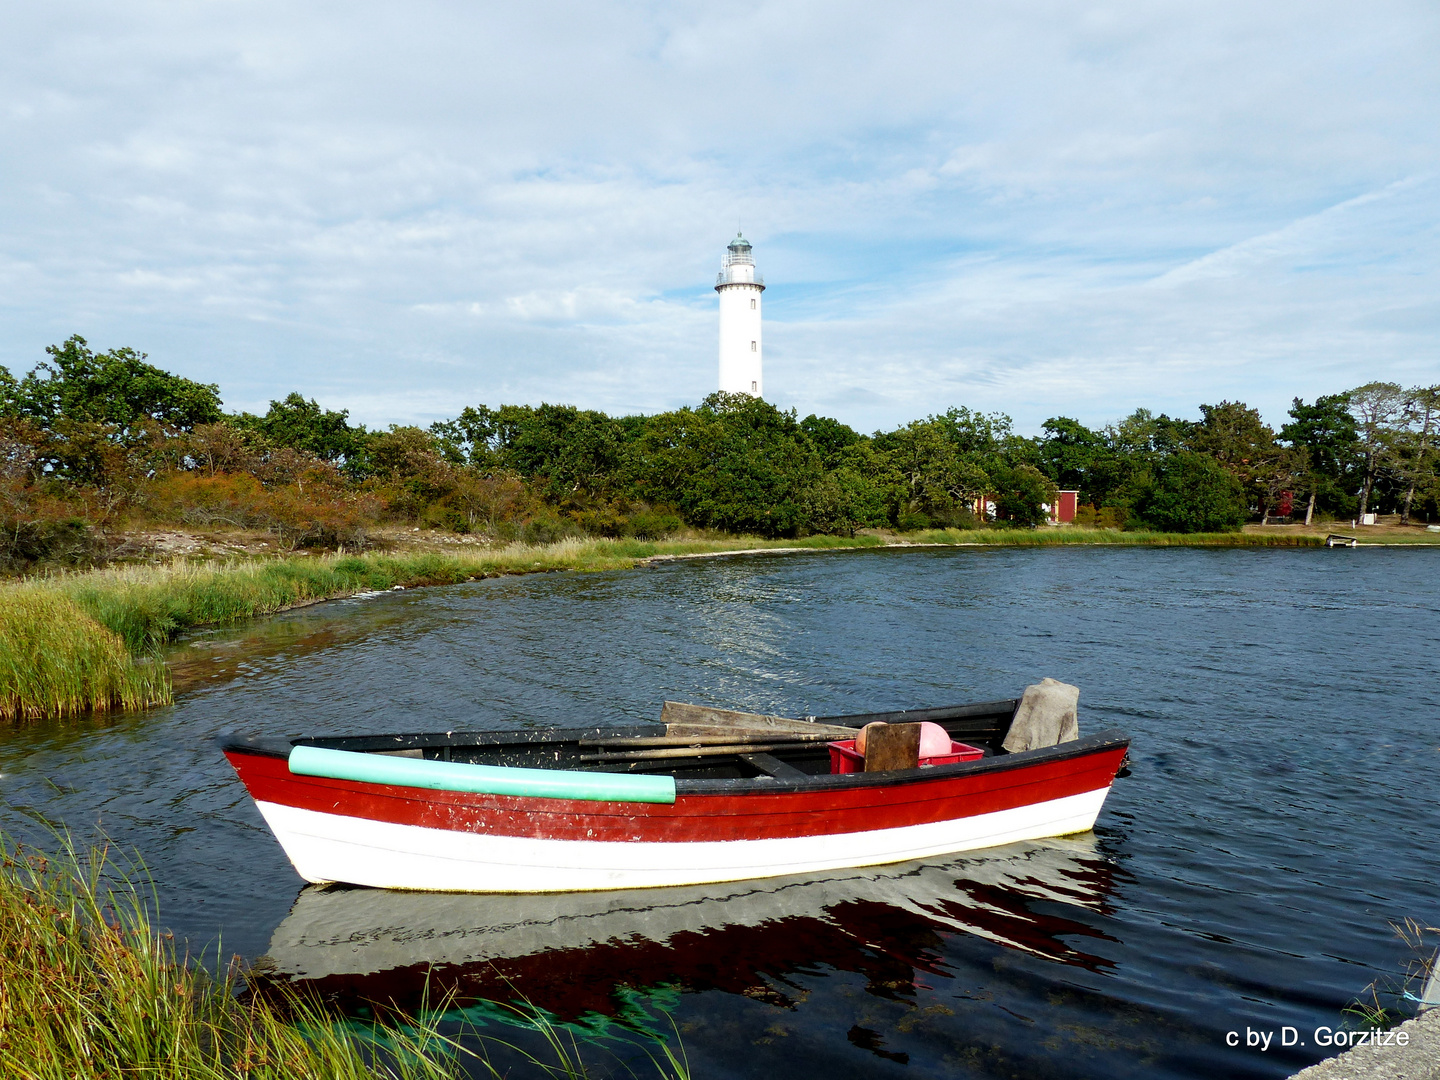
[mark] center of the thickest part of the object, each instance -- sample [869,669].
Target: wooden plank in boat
[773,766]
[679,714]
[892,746]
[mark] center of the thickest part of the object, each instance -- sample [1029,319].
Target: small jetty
[1337,540]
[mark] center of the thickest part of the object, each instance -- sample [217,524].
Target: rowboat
[705,795]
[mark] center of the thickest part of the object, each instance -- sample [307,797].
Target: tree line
[93,443]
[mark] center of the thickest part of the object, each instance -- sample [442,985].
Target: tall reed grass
[89,990]
[80,641]
[57,659]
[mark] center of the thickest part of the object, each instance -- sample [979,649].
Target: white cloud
[1048,209]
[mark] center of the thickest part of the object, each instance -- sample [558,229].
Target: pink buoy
[934,740]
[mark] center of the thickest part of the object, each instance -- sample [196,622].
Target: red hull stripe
[693,817]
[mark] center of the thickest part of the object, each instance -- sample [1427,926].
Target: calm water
[1285,711]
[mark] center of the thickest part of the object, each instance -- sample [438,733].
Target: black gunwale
[1099,742]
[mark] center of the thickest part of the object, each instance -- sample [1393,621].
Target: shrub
[1189,492]
[1112,517]
[313,508]
[600,521]
[68,541]
[654,523]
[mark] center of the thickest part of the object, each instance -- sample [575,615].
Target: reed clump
[89,990]
[56,659]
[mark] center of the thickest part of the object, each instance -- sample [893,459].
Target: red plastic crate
[845,759]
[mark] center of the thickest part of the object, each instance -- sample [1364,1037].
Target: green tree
[830,437]
[1189,492]
[1422,412]
[1143,436]
[1021,494]
[735,463]
[10,402]
[1378,409]
[566,452]
[1135,446]
[472,438]
[1073,457]
[930,479]
[1234,435]
[1326,432]
[298,424]
[117,388]
[756,468]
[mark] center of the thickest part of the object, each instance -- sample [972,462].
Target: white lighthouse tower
[740,286]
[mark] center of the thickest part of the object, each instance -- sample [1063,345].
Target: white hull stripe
[332,847]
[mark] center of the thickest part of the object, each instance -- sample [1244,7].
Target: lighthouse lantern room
[740,286]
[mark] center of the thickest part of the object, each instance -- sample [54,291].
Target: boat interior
[689,742]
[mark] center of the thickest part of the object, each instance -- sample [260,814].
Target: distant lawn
[1390,532]
[1080,535]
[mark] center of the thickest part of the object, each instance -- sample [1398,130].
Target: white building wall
[741,347]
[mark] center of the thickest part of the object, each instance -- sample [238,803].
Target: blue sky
[1042,208]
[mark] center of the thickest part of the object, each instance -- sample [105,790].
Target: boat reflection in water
[586,954]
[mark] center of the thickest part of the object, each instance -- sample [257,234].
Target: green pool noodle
[480,779]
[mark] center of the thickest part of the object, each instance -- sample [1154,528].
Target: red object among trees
[1064,509]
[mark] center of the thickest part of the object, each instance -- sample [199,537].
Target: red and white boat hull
[408,838]
[333,847]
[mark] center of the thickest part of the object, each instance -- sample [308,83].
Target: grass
[1110,537]
[74,642]
[89,990]
[1391,999]
[57,659]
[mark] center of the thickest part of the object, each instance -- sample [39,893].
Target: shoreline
[87,641]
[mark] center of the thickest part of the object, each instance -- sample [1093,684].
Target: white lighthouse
[740,286]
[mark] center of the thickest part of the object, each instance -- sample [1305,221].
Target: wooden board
[773,766]
[892,746]
[683,719]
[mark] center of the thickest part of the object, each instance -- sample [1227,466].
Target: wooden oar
[731,739]
[685,752]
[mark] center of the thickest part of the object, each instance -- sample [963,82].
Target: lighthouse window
[752,347]
[754,387]
[752,305]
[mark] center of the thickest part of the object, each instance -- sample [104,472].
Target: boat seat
[773,766]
